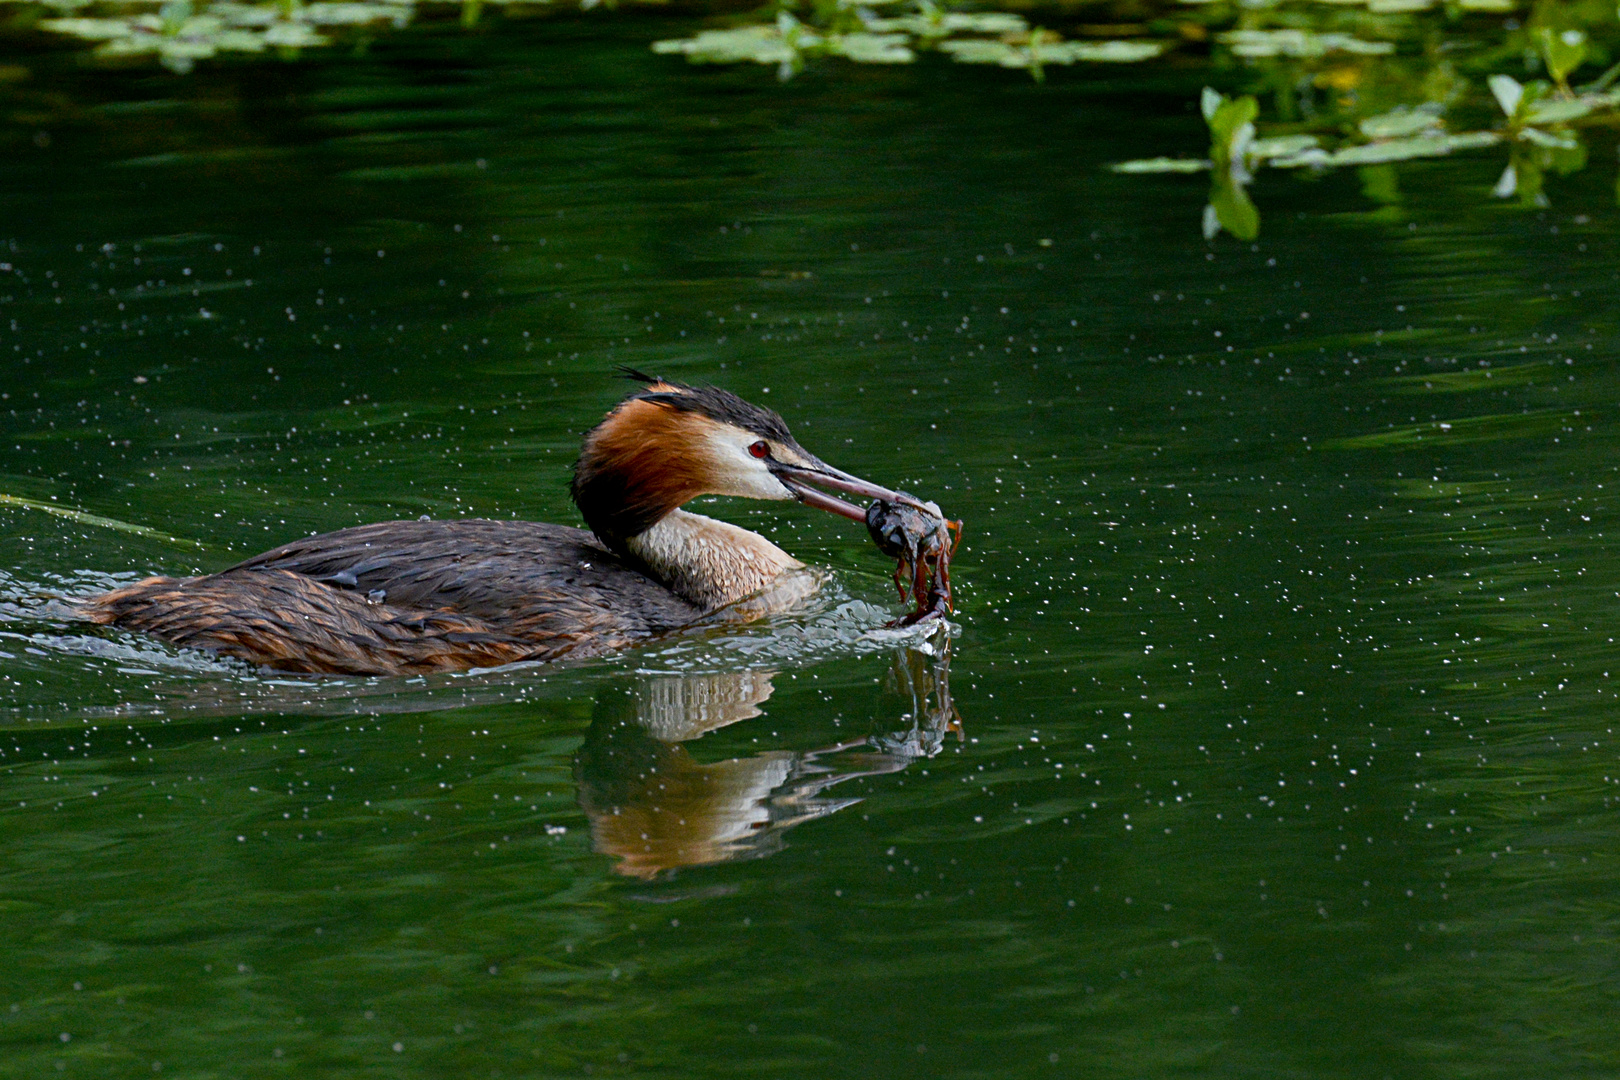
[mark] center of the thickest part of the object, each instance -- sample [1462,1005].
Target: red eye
[760,449]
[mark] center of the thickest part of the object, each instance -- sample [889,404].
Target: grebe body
[403,597]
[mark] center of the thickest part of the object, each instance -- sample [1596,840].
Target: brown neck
[636,467]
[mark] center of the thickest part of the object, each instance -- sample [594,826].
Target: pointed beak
[799,480]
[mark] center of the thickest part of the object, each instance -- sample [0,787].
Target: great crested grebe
[403,597]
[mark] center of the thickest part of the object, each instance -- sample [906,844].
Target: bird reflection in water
[655,807]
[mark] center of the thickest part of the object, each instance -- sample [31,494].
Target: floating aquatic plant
[786,43]
[855,30]
[1255,44]
[1037,49]
[178,35]
[1320,84]
[1539,120]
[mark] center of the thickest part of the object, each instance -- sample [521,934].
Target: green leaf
[755,44]
[1527,181]
[1507,183]
[88,29]
[1039,51]
[1313,157]
[1508,93]
[1566,159]
[1551,140]
[1558,110]
[292,35]
[940,25]
[1104,52]
[1231,127]
[1282,146]
[984,22]
[1160,165]
[1234,210]
[872,48]
[1420,146]
[1402,121]
[982,51]
[1564,51]
[1298,44]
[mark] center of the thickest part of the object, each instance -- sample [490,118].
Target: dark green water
[1286,610]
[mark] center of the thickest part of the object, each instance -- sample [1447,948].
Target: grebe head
[668,443]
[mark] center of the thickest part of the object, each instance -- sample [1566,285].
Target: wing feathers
[405,597]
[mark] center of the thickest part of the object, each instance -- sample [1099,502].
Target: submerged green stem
[84,517]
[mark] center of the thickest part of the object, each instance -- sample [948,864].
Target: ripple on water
[112,672]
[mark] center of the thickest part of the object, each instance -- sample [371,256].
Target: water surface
[1285,738]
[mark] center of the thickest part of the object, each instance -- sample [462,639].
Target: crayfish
[923,540]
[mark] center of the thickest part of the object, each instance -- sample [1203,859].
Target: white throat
[709,562]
